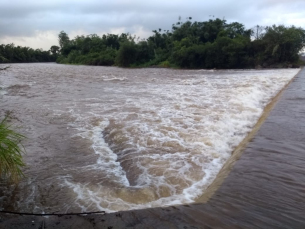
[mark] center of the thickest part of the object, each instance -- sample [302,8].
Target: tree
[63,39]
[54,50]
[235,29]
[209,30]
[258,32]
[283,43]
[126,54]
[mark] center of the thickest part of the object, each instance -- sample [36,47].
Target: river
[113,139]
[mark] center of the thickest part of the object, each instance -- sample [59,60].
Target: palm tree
[11,152]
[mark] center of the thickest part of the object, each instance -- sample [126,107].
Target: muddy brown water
[264,190]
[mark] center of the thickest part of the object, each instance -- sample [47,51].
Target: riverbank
[264,189]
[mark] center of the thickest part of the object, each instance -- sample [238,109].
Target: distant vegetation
[11,54]
[209,44]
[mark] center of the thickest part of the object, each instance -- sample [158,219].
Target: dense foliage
[11,54]
[209,44]
[10,152]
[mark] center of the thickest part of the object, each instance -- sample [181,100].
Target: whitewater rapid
[144,137]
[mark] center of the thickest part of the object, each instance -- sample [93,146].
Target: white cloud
[33,23]
[40,39]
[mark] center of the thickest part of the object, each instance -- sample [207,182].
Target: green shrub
[165,64]
[126,55]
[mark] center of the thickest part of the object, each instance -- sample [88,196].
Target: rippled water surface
[105,138]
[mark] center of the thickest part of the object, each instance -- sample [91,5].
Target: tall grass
[11,152]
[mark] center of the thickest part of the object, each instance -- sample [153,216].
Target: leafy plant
[11,152]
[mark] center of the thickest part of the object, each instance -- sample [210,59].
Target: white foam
[167,142]
[115,79]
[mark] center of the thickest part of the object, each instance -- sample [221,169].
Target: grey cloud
[23,18]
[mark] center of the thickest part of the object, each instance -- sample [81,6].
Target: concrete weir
[265,188]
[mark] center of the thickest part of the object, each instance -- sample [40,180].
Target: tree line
[17,54]
[208,44]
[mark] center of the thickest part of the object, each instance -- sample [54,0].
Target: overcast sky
[36,23]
